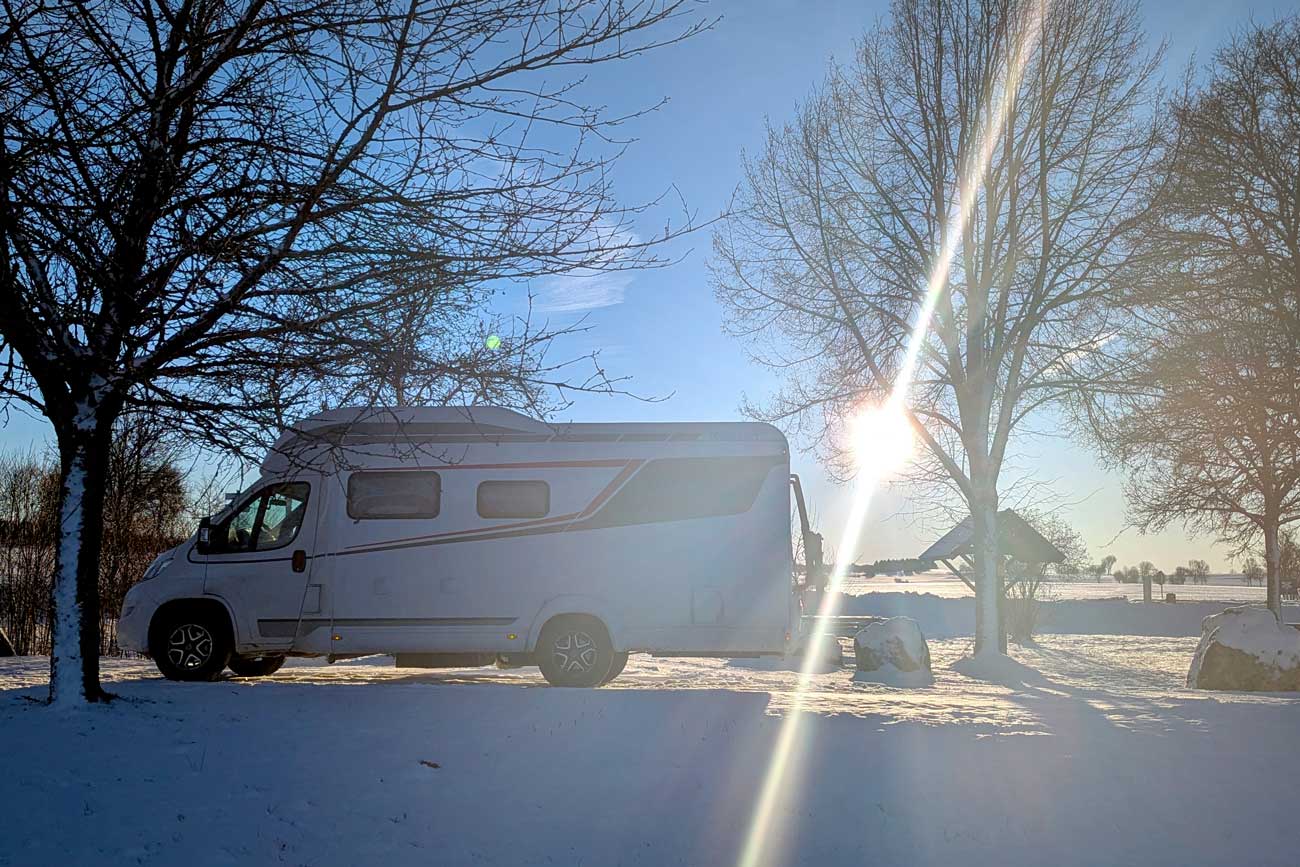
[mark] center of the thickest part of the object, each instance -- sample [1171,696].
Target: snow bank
[892,651]
[1246,648]
[947,617]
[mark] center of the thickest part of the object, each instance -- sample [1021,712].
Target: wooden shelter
[1017,540]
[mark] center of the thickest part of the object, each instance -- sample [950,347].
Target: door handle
[299,560]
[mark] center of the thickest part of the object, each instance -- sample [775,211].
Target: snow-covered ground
[1221,588]
[1094,754]
[944,616]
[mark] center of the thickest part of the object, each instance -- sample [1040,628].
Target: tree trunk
[988,584]
[1273,566]
[74,657]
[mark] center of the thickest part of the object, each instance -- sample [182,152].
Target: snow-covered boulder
[893,645]
[823,647]
[1248,649]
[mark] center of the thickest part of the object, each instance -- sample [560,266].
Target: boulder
[896,643]
[824,648]
[1246,648]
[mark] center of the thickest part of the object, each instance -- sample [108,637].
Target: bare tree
[217,210]
[1251,571]
[979,160]
[1211,439]
[1199,570]
[1210,423]
[1029,585]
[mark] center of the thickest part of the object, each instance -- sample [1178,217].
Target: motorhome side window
[400,494]
[524,499]
[270,519]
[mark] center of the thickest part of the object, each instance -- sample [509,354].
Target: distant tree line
[885,567]
[1198,571]
[149,508]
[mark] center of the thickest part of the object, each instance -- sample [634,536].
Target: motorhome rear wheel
[575,651]
[255,666]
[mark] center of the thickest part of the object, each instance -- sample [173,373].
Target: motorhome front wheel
[190,643]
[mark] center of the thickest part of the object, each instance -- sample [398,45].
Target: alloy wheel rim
[575,652]
[189,646]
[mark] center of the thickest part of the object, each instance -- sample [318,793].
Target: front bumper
[133,625]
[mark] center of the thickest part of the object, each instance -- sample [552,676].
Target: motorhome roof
[351,426]
[486,419]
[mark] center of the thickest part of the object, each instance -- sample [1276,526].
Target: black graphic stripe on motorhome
[663,490]
[627,468]
[289,628]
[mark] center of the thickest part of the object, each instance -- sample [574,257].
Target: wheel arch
[205,603]
[585,606]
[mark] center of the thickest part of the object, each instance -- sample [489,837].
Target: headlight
[161,562]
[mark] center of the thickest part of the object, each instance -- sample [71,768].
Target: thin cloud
[577,292]
[591,287]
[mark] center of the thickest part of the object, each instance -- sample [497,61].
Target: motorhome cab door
[260,559]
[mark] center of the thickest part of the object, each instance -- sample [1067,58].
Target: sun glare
[883,442]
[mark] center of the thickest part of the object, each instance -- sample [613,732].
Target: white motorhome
[453,536]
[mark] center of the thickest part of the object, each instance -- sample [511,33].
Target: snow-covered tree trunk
[74,658]
[988,586]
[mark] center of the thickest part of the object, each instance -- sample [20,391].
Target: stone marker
[824,647]
[895,642]
[1246,648]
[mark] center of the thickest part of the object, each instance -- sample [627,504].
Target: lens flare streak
[757,850]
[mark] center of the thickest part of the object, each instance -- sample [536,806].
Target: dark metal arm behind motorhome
[814,565]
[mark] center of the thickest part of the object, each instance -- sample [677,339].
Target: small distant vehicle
[451,536]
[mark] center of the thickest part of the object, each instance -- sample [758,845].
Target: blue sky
[666,332]
[663,328]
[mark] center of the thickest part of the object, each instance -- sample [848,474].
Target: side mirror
[204,542]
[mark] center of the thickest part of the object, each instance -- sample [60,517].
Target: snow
[1255,631]
[949,617]
[997,668]
[1101,759]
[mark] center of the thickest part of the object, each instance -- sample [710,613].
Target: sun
[883,441]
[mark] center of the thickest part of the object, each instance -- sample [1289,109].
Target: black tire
[191,643]
[575,650]
[255,666]
[620,662]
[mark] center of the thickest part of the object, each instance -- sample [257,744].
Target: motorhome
[453,536]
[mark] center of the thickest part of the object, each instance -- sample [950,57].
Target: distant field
[1222,588]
